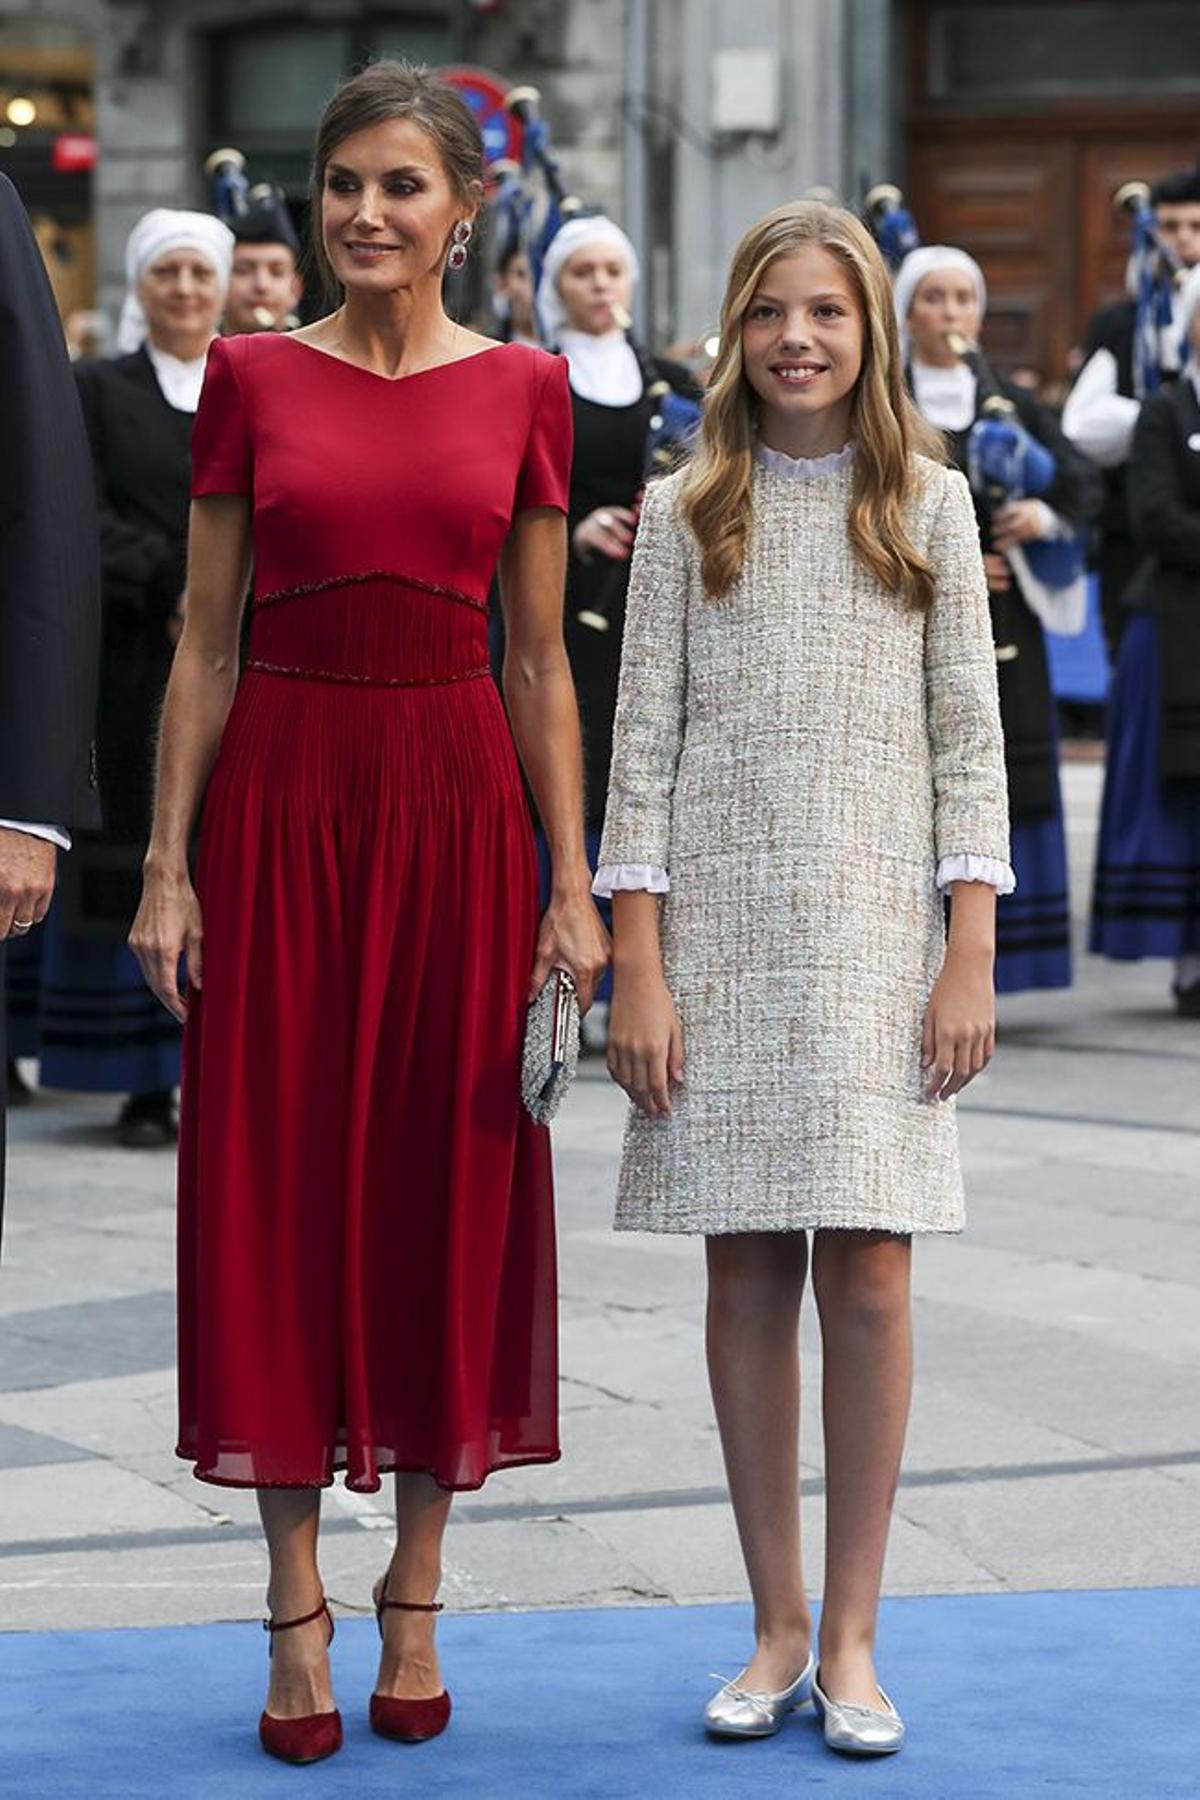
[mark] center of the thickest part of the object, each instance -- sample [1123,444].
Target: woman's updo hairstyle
[377,94]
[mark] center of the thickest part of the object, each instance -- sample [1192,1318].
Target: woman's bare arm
[199,695]
[545,722]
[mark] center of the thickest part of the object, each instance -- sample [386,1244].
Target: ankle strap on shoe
[274,1625]
[430,1606]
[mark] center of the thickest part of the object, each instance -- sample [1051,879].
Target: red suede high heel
[314,1736]
[408,1721]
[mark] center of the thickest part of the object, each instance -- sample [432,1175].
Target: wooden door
[1011,206]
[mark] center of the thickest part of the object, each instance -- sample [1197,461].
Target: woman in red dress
[366,1238]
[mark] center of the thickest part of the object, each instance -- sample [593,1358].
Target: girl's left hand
[1018,522]
[572,937]
[959,1035]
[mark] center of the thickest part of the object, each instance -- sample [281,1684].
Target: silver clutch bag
[551,1054]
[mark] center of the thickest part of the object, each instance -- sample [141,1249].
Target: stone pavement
[1055,1439]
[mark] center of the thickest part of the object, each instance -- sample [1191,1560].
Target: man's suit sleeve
[49,552]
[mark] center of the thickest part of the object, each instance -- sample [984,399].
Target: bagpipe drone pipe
[1154,272]
[890,223]
[255,213]
[530,206]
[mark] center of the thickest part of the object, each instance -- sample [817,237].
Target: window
[987,52]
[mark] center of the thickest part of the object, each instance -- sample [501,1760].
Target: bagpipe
[1154,272]
[1006,462]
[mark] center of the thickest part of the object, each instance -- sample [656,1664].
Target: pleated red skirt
[366,1234]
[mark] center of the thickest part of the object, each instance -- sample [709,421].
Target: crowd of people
[809,664]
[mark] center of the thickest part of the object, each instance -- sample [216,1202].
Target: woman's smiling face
[388,208]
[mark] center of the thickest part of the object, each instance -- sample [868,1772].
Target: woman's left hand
[572,937]
[1018,522]
[959,1035]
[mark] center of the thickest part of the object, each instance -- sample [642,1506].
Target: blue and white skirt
[1146,899]
[82,1007]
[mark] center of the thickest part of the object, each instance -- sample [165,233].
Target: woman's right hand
[168,925]
[645,1044]
[609,531]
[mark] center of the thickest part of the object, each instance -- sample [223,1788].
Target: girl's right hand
[645,1044]
[168,925]
[609,530]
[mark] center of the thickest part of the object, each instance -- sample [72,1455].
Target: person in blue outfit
[1147,895]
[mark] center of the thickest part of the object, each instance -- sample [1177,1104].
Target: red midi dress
[366,1233]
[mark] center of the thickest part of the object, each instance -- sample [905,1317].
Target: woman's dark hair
[394,90]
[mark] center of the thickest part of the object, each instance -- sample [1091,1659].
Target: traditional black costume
[1033,924]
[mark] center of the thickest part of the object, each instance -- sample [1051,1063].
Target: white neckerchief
[945,397]
[602,368]
[179,381]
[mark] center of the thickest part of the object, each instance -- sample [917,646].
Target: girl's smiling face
[802,342]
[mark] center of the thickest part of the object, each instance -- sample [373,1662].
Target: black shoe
[1187,1000]
[19,1091]
[148,1122]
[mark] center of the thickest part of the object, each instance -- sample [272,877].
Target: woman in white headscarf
[99,1028]
[941,298]
[585,296]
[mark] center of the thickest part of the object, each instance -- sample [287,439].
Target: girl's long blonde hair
[887,429]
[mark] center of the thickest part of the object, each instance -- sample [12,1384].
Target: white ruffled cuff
[630,877]
[976,868]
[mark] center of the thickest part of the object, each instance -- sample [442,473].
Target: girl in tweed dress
[807,757]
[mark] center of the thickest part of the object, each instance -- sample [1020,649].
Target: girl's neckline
[393,380]
[802,468]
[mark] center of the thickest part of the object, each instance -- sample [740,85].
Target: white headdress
[563,245]
[153,236]
[920,263]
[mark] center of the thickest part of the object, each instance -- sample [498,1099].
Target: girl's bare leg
[861,1281]
[300,1681]
[408,1663]
[755,1285]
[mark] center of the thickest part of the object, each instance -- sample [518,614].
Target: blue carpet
[1007,1695]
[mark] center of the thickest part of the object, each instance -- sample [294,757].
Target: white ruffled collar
[802,468]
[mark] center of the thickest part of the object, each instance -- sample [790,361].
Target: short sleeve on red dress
[222,455]
[545,477]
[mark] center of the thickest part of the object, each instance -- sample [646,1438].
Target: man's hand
[27,869]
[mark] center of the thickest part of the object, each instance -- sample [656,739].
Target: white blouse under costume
[800,758]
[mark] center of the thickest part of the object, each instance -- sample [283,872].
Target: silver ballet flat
[734,1711]
[859,1730]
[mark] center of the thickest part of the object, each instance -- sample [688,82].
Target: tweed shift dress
[799,757]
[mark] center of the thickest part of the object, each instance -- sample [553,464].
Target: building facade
[1008,122]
